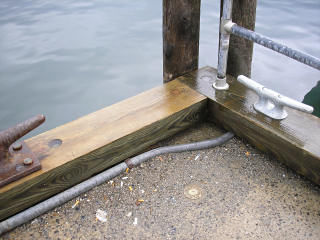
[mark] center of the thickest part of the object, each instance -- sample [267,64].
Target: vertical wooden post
[181,25]
[240,50]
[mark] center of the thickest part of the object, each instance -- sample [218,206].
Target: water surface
[72,57]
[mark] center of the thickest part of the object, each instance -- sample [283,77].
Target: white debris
[124,178]
[197,157]
[34,221]
[101,215]
[135,222]
[110,182]
[129,214]
[121,184]
[142,191]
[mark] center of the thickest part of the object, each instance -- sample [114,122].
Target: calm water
[68,58]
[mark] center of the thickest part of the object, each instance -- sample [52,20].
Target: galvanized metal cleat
[16,159]
[271,103]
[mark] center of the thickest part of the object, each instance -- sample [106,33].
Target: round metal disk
[193,192]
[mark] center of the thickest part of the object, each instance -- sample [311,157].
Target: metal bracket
[16,159]
[221,84]
[225,26]
[271,103]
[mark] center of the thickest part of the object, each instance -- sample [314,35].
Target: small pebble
[129,214]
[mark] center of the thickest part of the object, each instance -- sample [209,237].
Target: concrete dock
[229,192]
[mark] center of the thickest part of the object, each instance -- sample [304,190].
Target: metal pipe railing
[268,43]
[228,27]
[221,82]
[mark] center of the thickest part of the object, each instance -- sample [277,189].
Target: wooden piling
[240,49]
[181,25]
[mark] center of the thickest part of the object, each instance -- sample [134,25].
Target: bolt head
[17,146]
[27,161]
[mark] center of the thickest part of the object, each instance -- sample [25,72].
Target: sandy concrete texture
[229,192]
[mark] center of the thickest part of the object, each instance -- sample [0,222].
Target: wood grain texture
[295,141]
[240,49]
[181,25]
[101,139]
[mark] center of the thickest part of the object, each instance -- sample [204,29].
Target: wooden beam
[181,25]
[294,141]
[240,49]
[99,140]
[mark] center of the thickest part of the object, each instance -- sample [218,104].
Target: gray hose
[83,187]
[180,148]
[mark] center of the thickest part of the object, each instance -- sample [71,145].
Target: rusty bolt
[27,161]
[17,146]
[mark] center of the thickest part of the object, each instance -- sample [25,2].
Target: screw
[27,161]
[17,146]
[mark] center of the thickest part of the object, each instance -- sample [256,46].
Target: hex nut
[27,161]
[17,146]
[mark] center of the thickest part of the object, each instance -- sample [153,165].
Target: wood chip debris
[139,201]
[75,204]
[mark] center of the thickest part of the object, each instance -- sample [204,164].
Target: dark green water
[68,58]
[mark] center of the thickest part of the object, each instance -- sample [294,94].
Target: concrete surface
[228,192]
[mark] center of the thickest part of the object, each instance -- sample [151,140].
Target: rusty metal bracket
[16,159]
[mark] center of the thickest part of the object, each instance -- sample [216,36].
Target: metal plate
[13,168]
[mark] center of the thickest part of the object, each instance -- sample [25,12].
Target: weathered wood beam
[99,140]
[240,49]
[294,141]
[181,25]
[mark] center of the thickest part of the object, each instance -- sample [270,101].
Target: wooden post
[240,50]
[181,24]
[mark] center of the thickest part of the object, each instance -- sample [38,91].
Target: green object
[312,98]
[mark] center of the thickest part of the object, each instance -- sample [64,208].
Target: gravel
[237,192]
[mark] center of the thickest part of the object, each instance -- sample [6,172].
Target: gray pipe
[280,48]
[224,39]
[85,186]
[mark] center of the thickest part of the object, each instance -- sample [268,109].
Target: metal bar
[221,83]
[280,48]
